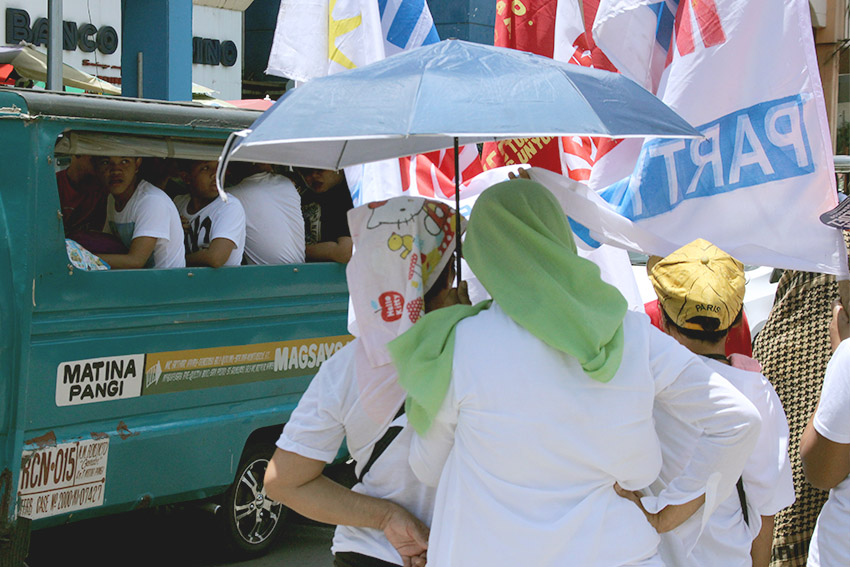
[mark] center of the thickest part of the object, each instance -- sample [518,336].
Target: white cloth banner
[743,72]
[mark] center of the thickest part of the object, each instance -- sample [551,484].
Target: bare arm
[215,256]
[763,544]
[339,251]
[839,326]
[825,463]
[298,483]
[136,257]
[668,518]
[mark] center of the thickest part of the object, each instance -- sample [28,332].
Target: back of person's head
[402,247]
[700,290]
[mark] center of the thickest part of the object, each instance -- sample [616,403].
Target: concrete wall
[221,25]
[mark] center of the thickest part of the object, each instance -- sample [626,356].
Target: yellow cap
[699,280]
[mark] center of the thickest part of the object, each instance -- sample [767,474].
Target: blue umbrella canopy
[428,98]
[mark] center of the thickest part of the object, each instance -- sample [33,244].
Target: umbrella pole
[457,210]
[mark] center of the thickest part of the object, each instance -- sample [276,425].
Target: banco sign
[86,37]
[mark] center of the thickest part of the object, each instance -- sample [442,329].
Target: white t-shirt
[830,543]
[219,219]
[149,212]
[274,225]
[768,484]
[527,447]
[329,411]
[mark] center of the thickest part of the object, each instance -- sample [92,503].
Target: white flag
[315,38]
[744,73]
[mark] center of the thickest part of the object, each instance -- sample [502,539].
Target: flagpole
[54,80]
[457,210]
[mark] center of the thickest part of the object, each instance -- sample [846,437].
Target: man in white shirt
[355,396]
[274,230]
[700,292]
[141,215]
[825,452]
[214,228]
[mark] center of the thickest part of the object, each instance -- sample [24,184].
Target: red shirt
[737,341]
[83,208]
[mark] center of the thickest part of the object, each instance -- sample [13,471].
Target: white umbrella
[442,95]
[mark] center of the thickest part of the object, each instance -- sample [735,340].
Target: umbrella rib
[341,153]
[416,100]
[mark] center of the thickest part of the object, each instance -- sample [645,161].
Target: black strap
[382,444]
[742,496]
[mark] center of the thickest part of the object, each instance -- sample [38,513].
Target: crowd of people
[170,214]
[550,425]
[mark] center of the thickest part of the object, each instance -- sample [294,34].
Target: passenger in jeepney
[324,203]
[82,199]
[141,215]
[214,228]
[274,225]
[401,269]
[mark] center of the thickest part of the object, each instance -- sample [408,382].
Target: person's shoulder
[750,383]
[343,355]
[231,205]
[149,192]
[843,351]
[232,201]
[636,322]
[180,201]
[342,194]
[838,368]
[338,367]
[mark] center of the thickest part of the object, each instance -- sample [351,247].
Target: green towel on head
[520,246]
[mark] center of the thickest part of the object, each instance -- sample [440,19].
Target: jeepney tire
[251,521]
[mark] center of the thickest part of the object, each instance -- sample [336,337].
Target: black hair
[710,334]
[441,283]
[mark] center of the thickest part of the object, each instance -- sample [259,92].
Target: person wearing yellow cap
[700,292]
[533,409]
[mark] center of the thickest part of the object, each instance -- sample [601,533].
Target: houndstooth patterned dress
[793,348]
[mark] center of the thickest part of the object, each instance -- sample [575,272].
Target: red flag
[433,174]
[526,25]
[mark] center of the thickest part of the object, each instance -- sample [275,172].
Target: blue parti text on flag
[763,143]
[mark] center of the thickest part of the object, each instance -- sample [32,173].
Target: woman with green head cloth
[534,411]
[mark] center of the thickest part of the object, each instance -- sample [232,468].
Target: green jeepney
[136,388]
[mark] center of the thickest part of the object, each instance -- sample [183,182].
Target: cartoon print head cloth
[401,246]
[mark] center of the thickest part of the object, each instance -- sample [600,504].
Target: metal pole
[140,74]
[457,210]
[54,46]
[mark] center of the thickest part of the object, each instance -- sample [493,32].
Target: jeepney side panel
[182,441]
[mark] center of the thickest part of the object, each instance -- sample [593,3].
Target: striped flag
[406,24]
